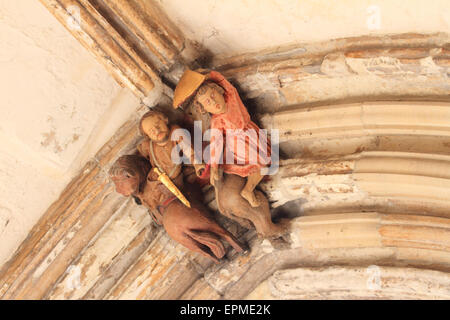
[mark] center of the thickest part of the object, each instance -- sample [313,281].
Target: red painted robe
[257,151]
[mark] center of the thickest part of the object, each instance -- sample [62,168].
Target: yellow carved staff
[165,180]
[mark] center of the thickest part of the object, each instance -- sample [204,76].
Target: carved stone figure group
[171,191]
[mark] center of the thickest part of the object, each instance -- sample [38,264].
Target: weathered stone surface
[343,239]
[405,67]
[59,107]
[99,42]
[134,40]
[372,282]
[126,223]
[121,263]
[366,183]
[325,186]
[200,290]
[147,22]
[163,257]
[67,228]
[361,119]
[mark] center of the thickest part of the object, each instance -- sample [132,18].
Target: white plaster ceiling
[228,27]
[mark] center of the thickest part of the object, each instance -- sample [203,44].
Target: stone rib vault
[365,174]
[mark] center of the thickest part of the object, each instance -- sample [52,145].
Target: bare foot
[251,198]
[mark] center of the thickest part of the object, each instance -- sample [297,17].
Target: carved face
[126,184]
[156,127]
[210,97]
[128,172]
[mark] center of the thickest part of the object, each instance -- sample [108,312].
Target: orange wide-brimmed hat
[187,86]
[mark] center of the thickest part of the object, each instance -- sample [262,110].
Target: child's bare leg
[247,192]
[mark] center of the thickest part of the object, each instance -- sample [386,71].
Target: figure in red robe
[238,146]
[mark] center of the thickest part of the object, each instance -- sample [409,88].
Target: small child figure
[159,146]
[214,94]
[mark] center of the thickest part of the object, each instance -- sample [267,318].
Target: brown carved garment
[194,227]
[161,157]
[154,193]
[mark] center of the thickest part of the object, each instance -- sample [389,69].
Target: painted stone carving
[192,227]
[211,93]
[158,146]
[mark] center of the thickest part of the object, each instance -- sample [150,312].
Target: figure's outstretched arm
[183,142]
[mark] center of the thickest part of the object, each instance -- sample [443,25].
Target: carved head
[129,174]
[210,98]
[155,125]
